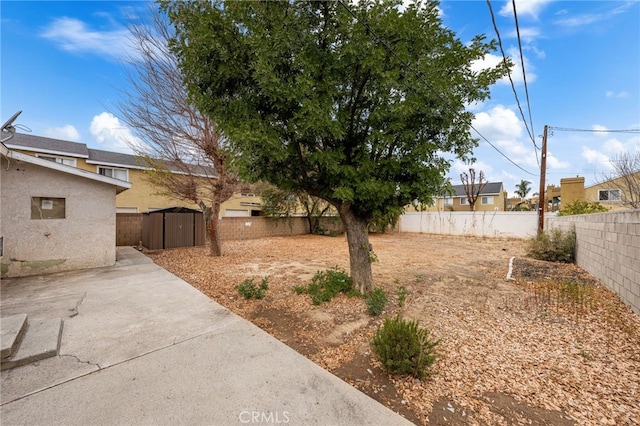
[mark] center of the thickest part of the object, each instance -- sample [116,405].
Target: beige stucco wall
[85,238]
[571,189]
[591,193]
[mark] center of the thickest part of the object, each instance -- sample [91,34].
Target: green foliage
[248,289]
[401,294]
[523,188]
[376,301]
[554,246]
[277,203]
[310,100]
[325,285]
[382,222]
[404,348]
[582,207]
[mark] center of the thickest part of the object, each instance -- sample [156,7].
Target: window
[47,208]
[487,200]
[448,201]
[60,160]
[121,174]
[609,195]
[464,201]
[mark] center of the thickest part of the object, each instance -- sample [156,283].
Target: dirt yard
[548,347]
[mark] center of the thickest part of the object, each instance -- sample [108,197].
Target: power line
[524,74]
[423,80]
[513,87]
[568,129]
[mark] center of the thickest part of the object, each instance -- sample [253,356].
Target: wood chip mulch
[552,346]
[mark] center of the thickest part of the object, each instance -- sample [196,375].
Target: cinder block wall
[245,228]
[128,229]
[608,247]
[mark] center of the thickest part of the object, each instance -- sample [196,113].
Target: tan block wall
[608,247]
[245,228]
[128,229]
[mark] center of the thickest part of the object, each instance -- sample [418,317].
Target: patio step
[12,330]
[41,341]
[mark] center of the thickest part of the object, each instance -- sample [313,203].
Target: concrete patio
[141,346]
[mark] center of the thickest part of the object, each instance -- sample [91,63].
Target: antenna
[9,128]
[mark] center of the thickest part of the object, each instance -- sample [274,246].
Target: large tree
[360,104]
[182,149]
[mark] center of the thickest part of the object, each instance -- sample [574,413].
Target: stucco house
[53,216]
[142,197]
[491,198]
[616,194]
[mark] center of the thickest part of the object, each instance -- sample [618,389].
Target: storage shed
[172,228]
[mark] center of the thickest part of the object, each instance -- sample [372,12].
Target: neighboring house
[612,194]
[53,216]
[142,197]
[492,197]
[616,194]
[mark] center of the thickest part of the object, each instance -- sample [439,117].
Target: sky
[63,64]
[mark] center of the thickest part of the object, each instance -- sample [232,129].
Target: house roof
[14,155]
[93,156]
[491,188]
[98,156]
[47,145]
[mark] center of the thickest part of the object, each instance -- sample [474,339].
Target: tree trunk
[213,229]
[358,239]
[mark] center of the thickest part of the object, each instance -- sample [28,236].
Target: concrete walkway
[142,347]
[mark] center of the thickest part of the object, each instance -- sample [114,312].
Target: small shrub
[248,289]
[582,207]
[325,285]
[554,246]
[401,293]
[404,348]
[376,301]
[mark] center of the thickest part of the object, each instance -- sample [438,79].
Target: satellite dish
[7,127]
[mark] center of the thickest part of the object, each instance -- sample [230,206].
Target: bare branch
[471,188]
[184,153]
[625,177]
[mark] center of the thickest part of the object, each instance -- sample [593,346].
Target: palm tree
[522,189]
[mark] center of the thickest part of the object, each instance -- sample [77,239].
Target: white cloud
[530,8]
[491,61]
[612,94]
[111,135]
[527,34]
[479,166]
[500,123]
[505,131]
[554,163]
[67,133]
[74,35]
[590,18]
[601,156]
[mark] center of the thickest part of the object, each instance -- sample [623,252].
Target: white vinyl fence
[480,224]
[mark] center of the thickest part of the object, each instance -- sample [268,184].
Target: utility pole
[543,171]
